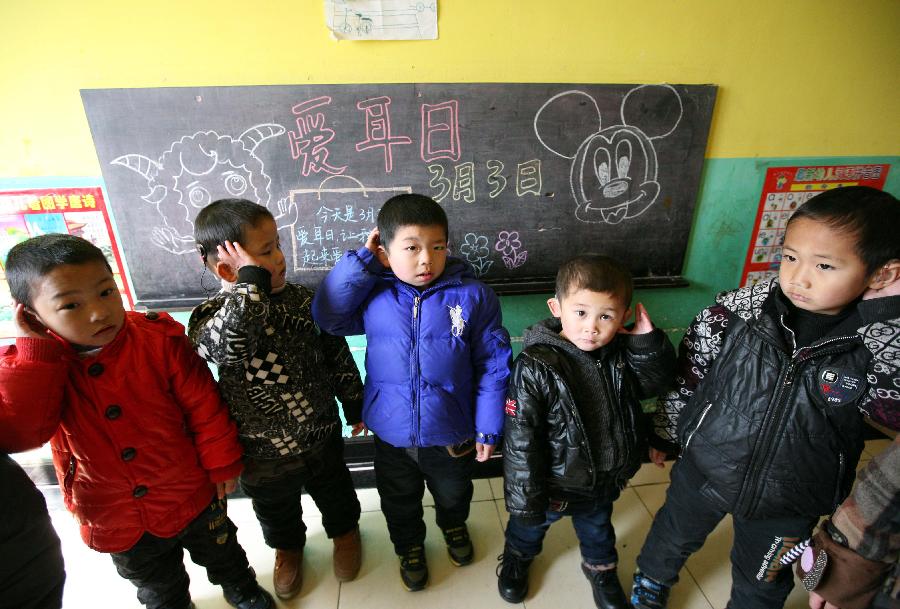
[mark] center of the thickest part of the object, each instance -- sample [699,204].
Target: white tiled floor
[556,580]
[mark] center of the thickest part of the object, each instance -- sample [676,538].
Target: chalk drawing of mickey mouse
[614,169]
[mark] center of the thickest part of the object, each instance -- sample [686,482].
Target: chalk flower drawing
[508,245]
[475,249]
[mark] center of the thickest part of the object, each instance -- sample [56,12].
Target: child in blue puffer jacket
[437,365]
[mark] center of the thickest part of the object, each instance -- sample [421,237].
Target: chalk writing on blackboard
[529,173]
[613,175]
[342,221]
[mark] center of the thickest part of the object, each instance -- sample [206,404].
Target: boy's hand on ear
[642,323]
[373,241]
[235,256]
[892,289]
[27,325]
[887,278]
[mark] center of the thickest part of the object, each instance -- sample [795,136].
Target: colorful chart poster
[784,190]
[76,211]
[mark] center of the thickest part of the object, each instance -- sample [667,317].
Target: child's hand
[642,323]
[657,457]
[359,428]
[483,452]
[27,325]
[225,488]
[892,289]
[373,241]
[235,256]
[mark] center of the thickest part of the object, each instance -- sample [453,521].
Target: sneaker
[287,577]
[253,596]
[648,593]
[347,555]
[512,576]
[608,593]
[459,546]
[414,569]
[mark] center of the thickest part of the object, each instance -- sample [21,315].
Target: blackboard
[528,173]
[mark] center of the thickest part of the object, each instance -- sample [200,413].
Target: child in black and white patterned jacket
[279,374]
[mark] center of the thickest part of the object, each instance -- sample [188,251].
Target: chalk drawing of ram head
[199,169]
[613,174]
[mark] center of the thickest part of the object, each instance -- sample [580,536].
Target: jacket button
[113,412]
[139,491]
[128,454]
[152,315]
[95,369]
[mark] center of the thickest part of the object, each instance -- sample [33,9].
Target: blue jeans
[593,526]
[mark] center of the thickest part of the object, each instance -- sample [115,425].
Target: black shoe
[512,576]
[459,546]
[608,593]
[414,569]
[251,597]
[648,593]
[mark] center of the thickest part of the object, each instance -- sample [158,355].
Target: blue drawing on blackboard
[200,168]
[475,250]
[614,169]
[510,248]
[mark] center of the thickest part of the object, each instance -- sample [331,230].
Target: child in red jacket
[144,449]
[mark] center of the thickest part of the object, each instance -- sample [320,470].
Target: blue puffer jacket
[437,361]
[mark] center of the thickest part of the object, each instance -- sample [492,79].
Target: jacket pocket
[690,435]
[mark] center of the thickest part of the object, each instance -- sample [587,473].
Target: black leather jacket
[548,452]
[767,430]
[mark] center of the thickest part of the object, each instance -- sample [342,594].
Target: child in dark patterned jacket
[766,409]
[575,431]
[279,374]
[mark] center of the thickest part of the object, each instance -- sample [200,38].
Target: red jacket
[139,432]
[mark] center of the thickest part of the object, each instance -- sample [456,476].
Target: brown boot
[288,575]
[347,556]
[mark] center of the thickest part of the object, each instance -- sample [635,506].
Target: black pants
[275,486]
[31,562]
[156,565]
[401,475]
[681,526]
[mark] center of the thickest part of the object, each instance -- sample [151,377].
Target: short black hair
[872,216]
[406,210]
[38,256]
[597,273]
[225,220]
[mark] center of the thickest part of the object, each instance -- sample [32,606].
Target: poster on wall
[75,211]
[784,190]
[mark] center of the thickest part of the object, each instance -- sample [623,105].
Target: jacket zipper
[696,427]
[70,476]
[416,419]
[761,456]
[840,479]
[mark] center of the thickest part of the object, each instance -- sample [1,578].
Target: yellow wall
[811,77]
